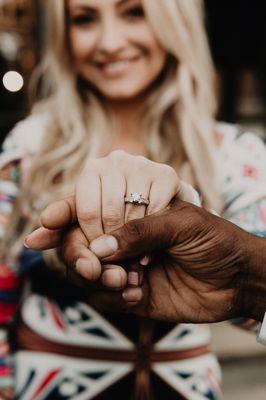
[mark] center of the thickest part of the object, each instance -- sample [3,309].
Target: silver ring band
[137,199]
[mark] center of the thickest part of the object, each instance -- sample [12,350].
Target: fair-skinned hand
[98,207]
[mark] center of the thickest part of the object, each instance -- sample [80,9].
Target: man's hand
[203,268]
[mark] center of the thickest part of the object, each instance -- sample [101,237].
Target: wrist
[253,288]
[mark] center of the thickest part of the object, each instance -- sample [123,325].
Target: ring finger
[136,189]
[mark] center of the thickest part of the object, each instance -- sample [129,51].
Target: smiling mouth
[114,68]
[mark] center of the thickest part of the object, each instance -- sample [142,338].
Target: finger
[88,201]
[139,181]
[89,268]
[145,260]
[143,236]
[43,239]
[107,300]
[113,205]
[78,280]
[132,296]
[134,211]
[76,255]
[59,214]
[114,277]
[186,192]
[163,188]
[135,273]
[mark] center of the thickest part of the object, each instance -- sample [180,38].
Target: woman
[114,79]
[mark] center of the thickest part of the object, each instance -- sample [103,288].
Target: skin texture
[102,210]
[114,47]
[104,182]
[201,267]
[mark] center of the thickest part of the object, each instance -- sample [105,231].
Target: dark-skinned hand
[201,267]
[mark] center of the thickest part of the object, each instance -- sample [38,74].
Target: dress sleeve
[15,159]
[11,160]
[244,189]
[10,283]
[242,172]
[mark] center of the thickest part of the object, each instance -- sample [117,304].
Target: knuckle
[111,218]
[169,172]
[87,216]
[142,162]
[92,164]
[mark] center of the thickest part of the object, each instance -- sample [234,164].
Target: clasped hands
[170,260]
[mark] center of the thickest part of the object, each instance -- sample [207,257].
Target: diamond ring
[137,199]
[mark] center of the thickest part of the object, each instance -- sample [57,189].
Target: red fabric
[8,280]
[6,312]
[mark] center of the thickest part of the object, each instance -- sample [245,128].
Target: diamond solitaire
[137,199]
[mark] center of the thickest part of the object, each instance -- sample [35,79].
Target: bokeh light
[13,81]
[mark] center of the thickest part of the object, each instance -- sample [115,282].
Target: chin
[124,92]
[120,94]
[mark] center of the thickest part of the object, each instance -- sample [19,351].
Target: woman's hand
[105,182]
[99,208]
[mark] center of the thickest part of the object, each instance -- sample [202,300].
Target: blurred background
[237,33]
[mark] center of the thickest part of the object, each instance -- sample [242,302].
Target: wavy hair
[178,123]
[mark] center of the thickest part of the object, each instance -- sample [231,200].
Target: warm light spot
[13,81]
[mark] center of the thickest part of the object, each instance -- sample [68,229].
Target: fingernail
[104,246]
[111,279]
[85,268]
[25,244]
[133,278]
[196,198]
[145,261]
[81,265]
[132,295]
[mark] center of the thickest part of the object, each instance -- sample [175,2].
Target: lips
[115,68]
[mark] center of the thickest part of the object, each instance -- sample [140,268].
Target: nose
[112,37]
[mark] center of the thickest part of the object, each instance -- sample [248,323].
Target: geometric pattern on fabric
[56,377]
[6,368]
[79,324]
[184,336]
[196,379]
[76,324]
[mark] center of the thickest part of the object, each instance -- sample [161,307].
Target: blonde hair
[179,119]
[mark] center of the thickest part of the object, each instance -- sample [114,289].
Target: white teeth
[115,66]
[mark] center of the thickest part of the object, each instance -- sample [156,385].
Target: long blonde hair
[179,119]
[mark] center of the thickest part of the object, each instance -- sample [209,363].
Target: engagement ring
[137,199]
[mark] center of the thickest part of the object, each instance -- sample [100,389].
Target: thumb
[137,237]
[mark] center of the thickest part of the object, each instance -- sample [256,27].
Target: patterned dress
[63,349]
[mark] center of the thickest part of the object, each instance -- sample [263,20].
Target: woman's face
[113,46]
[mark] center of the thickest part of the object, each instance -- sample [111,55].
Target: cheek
[82,45]
[147,40]
[158,57]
